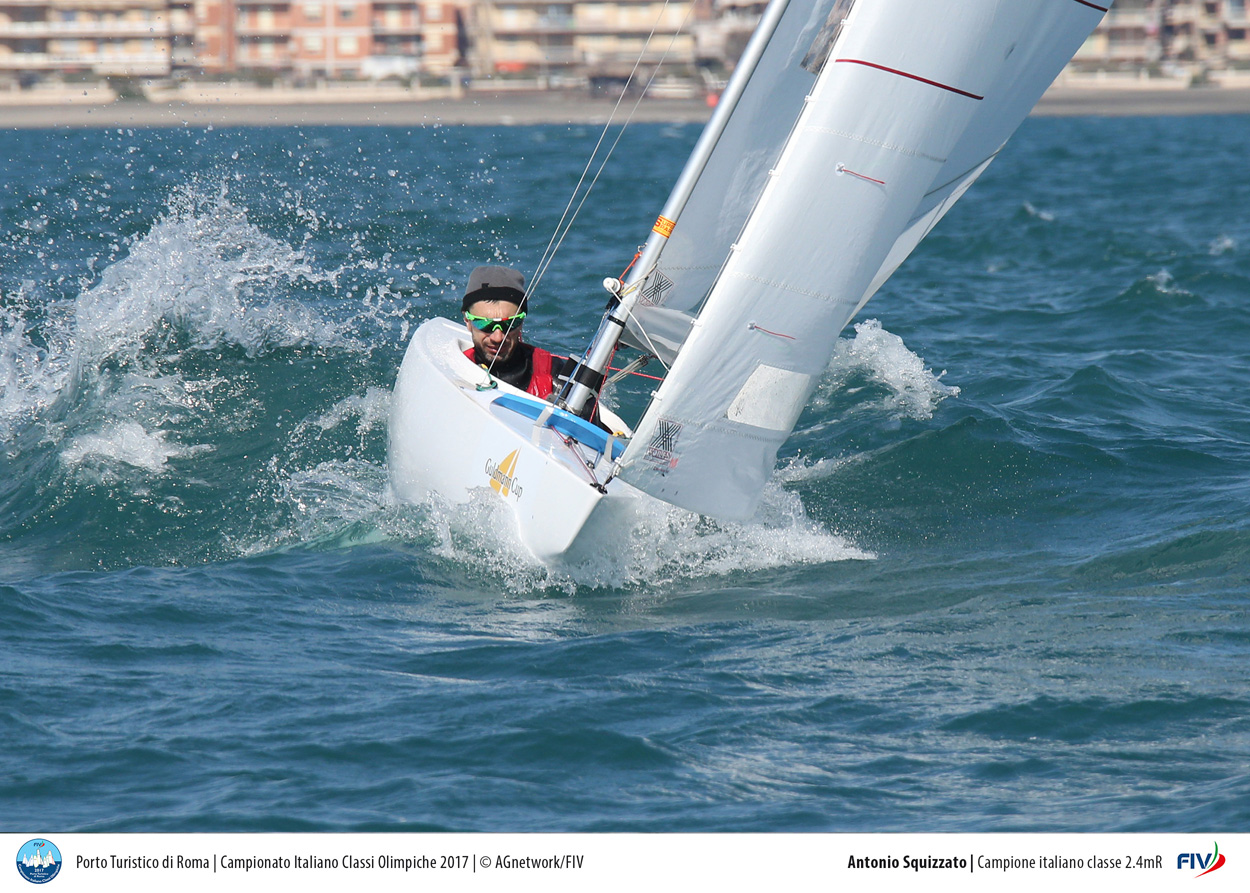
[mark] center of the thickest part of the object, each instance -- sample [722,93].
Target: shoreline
[551,108]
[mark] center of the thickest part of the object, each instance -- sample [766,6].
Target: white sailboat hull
[449,440]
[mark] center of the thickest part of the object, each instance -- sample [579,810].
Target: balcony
[102,63]
[49,30]
[1178,15]
[102,4]
[1129,52]
[1238,51]
[279,61]
[538,25]
[516,60]
[1129,17]
[263,29]
[629,57]
[399,29]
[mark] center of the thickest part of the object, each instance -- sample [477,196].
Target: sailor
[494,308]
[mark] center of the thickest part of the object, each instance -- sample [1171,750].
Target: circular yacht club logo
[39,861]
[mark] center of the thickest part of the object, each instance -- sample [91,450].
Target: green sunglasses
[488,325]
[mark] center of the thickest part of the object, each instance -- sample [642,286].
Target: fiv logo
[1208,861]
[39,861]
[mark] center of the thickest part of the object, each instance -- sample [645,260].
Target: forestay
[868,121]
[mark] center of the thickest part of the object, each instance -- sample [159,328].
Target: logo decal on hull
[503,476]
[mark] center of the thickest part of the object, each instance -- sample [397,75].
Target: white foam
[1222,245]
[337,495]
[915,390]
[203,276]
[1045,216]
[32,377]
[662,545]
[125,443]
[800,468]
[203,269]
[1164,281]
[371,411]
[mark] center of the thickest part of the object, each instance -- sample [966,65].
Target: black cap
[495,284]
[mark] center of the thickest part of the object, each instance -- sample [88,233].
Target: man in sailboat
[494,308]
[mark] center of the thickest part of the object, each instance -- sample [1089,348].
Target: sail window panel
[771,398]
[818,53]
[663,335]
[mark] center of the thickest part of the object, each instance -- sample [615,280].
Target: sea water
[997,582]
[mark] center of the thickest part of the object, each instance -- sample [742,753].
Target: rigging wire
[550,253]
[558,236]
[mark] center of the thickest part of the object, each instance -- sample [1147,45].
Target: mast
[584,383]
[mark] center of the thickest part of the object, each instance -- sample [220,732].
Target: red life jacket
[541,383]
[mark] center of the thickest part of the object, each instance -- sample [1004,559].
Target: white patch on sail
[771,398]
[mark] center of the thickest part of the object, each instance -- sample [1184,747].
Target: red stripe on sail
[914,77]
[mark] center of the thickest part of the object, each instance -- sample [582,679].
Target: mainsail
[862,123]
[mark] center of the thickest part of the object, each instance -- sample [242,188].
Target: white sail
[733,178]
[794,224]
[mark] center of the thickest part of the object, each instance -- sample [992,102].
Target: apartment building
[304,38]
[102,37]
[723,29]
[309,38]
[551,39]
[444,36]
[1139,33]
[601,38]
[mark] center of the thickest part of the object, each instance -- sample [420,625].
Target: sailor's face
[496,344]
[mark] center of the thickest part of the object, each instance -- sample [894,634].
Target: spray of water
[126,381]
[100,372]
[914,390]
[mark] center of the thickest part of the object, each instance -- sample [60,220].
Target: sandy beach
[540,108]
[496,109]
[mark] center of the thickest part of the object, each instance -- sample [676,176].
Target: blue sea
[1000,579]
